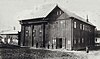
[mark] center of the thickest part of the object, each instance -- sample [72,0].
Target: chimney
[14,28]
[87,20]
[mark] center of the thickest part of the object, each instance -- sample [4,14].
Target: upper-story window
[86,28]
[82,40]
[78,40]
[83,27]
[61,22]
[40,29]
[34,32]
[57,13]
[74,24]
[75,41]
[27,32]
[60,12]
[80,26]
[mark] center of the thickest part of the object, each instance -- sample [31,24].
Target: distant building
[97,37]
[10,37]
[0,38]
[51,26]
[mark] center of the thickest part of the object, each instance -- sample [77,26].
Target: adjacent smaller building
[10,37]
[97,41]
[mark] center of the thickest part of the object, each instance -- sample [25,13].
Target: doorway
[59,43]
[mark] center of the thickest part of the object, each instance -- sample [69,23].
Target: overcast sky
[9,10]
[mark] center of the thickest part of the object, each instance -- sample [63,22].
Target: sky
[10,9]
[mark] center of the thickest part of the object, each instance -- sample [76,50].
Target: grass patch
[26,53]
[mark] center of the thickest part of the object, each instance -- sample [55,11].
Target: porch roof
[9,32]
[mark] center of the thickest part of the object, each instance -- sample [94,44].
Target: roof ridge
[72,14]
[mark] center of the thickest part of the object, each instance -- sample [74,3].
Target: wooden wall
[57,26]
[86,35]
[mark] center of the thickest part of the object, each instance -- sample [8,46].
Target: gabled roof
[70,14]
[44,10]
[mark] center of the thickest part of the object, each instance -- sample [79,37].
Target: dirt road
[91,55]
[94,55]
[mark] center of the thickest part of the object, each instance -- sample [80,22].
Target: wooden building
[51,26]
[10,37]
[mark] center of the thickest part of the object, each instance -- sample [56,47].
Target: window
[83,27]
[54,40]
[80,26]
[40,32]
[82,40]
[74,24]
[34,32]
[69,42]
[57,13]
[60,12]
[27,32]
[61,22]
[79,40]
[86,28]
[40,29]
[74,41]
